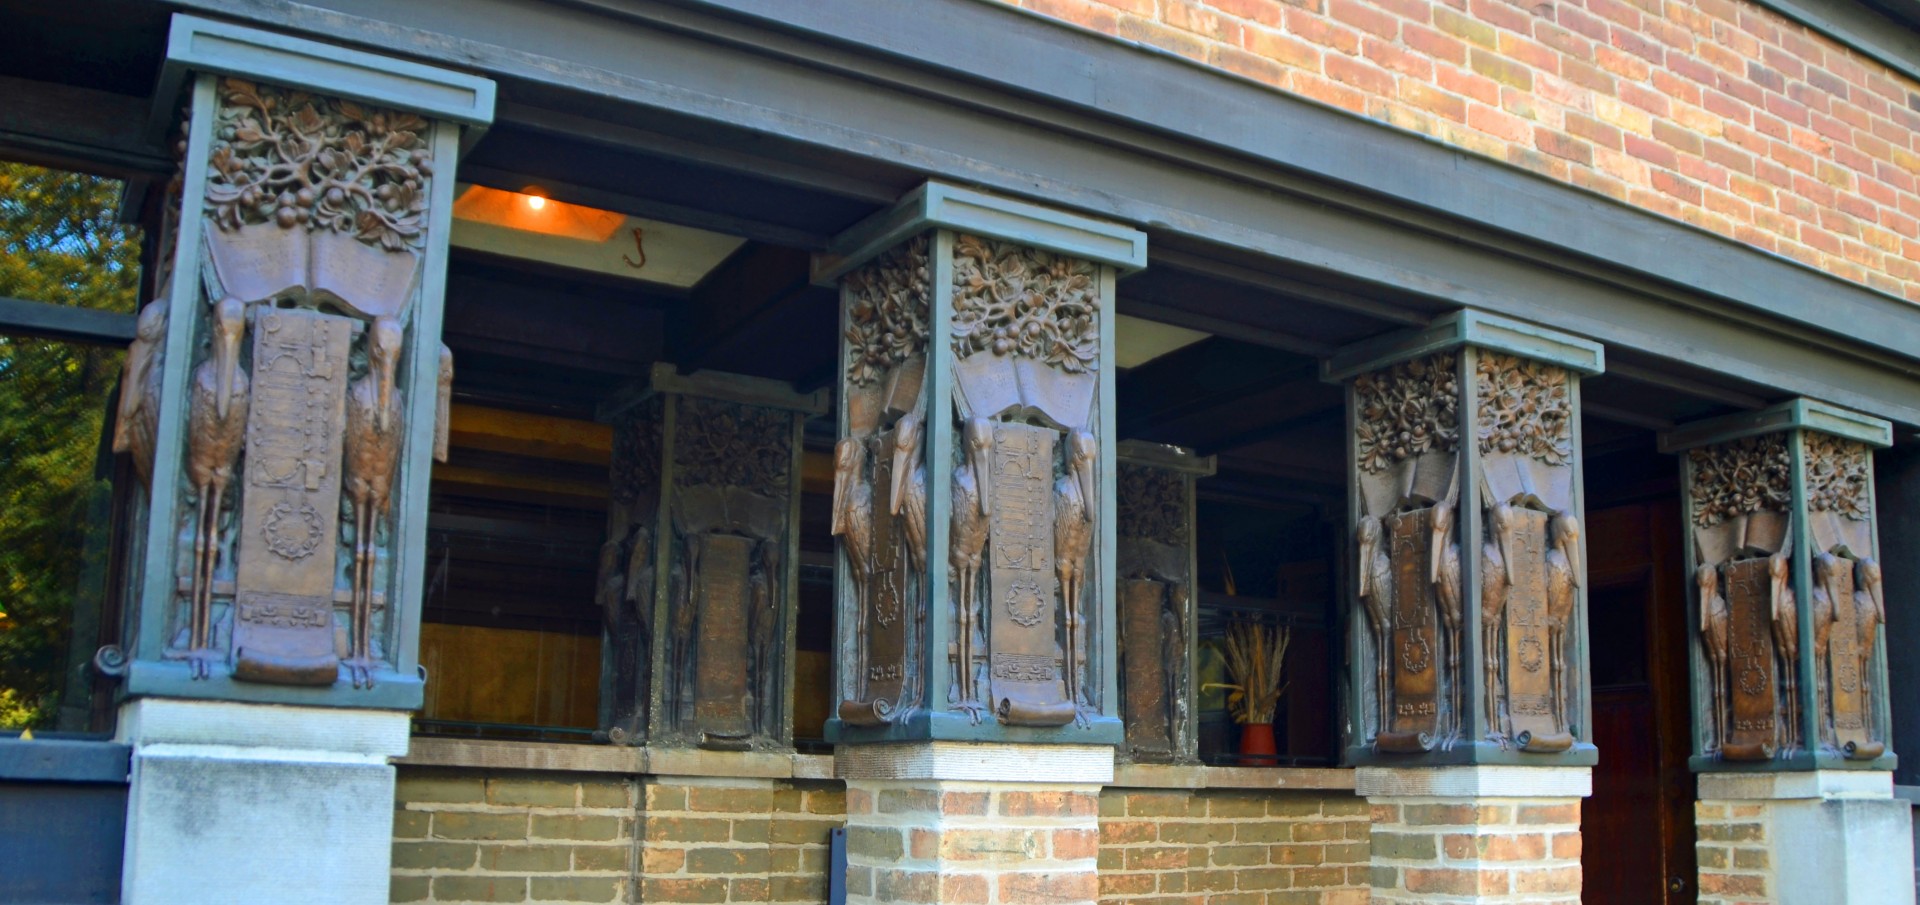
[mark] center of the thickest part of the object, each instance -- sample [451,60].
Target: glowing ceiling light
[536,202]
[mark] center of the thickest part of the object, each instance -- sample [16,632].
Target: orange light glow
[536,213]
[536,202]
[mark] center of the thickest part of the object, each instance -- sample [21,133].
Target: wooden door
[1638,826]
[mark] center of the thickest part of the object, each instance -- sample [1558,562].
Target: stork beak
[1366,560]
[1083,473]
[1436,543]
[902,464]
[840,479]
[1573,560]
[226,358]
[981,457]
[384,383]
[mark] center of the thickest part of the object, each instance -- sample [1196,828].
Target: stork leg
[201,601]
[1490,658]
[1382,696]
[1454,638]
[1792,722]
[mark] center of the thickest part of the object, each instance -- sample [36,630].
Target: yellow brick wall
[1233,847]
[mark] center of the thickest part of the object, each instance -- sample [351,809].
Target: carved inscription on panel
[721,698]
[1415,642]
[1022,606]
[1530,692]
[885,606]
[283,630]
[1843,659]
[1145,700]
[1750,732]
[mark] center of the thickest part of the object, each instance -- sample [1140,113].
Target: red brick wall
[1716,112]
[1232,847]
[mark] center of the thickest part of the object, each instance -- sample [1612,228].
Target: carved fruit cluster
[1152,504]
[1837,477]
[732,445]
[887,321]
[1010,299]
[1406,410]
[1525,408]
[292,158]
[1740,477]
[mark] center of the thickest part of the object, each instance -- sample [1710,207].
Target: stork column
[286,401]
[1466,580]
[977,692]
[1791,717]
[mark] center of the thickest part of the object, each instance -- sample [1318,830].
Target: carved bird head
[1367,534]
[384,339]
[1564,531]
[906,446]
[978,434]
[1082,452]
[229,325]
[152,324]
[849,459]
[1707,577]
[1499,521]
[1442,526]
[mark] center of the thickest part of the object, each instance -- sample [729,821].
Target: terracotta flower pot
[1256,743]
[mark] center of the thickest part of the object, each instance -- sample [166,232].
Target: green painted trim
[66,322]
[155,678]
[1347,563]
[1104,627]
[184,314]
[942,206]
[759,391]
[1468,327]
[204,45]
[663,540]
[1471,528]
[1171,458]
[1824,760]
[941,415]
[1581,725]
[790,587]
[1794,414]
[1475,753]
[407,580]
[1802,534]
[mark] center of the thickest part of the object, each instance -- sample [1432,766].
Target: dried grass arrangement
[1255,655]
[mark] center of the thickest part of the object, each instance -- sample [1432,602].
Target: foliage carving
[1012,299]
[1837,477]
[727,444]
[298,159]
[1525,408]
[1153,504]
[1406,410]
[1740,477]
[887,322]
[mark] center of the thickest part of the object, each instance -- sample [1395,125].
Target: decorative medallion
[293,533]
[1025,603]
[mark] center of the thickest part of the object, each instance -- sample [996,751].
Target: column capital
[1467,327]
[1794,414]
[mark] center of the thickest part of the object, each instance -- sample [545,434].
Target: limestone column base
[1475,834]
[1836,837]
[952,822]
[249,803]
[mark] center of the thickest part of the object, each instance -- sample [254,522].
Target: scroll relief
[731,498]
[1848,603]
[1406,443]
[1025,337]
[884,537]
[1749,629]
[1155,611]
[316,211]
[1530,566]
[626,575]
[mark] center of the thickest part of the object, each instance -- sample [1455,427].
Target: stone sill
[558,757]
[1274,779]
[566,758]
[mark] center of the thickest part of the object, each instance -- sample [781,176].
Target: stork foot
[360,670]
[1500,738]
[972,709]
[200,662]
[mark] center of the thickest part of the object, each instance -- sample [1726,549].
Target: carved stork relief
[1782,531]
[1157,620]
[316,219]
[973,475]
[1467,569]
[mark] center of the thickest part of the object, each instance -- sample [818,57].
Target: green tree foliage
[59,243]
